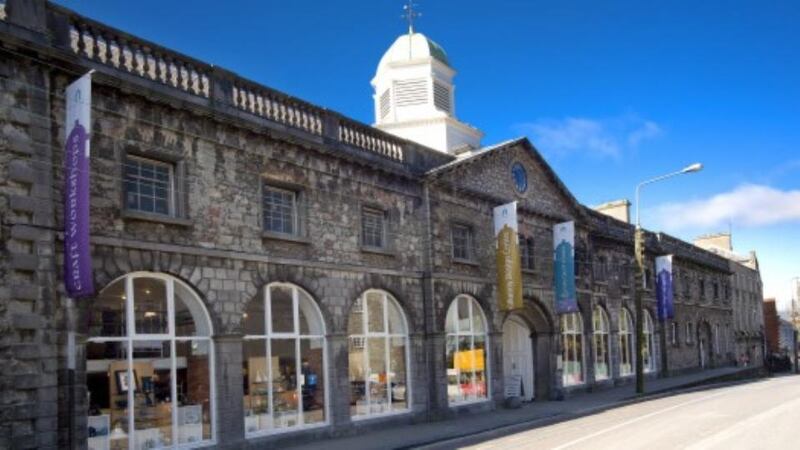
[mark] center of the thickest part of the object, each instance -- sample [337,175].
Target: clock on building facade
[520,177]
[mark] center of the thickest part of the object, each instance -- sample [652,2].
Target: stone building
[747,297]
[269,271]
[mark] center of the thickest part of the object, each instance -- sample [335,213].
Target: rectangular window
[702,295]
[688,332]
[462,241]
[372,228]
[527,260]
[149,186]
[716,290]
[674,335]
[280,210]
[601,268]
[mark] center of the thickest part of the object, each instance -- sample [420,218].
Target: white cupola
[415,97]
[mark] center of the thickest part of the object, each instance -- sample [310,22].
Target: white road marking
[745,425]
[638,419]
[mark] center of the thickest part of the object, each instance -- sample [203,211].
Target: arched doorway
[518,355]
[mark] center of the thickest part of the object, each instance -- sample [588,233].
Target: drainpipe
[427,299]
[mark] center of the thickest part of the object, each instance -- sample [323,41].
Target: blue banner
[664,287]
[564,268]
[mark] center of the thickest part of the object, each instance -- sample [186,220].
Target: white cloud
[749,205]
[602,138]
[648,130]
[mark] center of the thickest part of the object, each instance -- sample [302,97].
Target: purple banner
[664,287]
[78,278]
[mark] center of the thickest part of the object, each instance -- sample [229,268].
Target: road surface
[763,414]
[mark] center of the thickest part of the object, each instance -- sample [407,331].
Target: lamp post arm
[652,180]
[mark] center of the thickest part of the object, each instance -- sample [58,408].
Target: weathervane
[410,14]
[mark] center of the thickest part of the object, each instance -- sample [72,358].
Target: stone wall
[216,244]
[29,313]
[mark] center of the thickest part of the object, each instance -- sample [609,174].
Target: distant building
[747,295]
[771,326]
[785,336]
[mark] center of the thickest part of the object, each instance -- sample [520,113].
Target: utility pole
[795,323]
[638,245]
[638,294]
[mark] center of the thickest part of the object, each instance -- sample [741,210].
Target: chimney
[716,240]
[618,209]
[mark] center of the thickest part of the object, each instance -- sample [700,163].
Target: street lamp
[795,324]
[639,253]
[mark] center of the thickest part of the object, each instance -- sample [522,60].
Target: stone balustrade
[277,107]
[119,51]
[368,138]
[104,47]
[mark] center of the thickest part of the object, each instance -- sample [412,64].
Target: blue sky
[610,92]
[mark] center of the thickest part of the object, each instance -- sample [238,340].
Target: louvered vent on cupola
[411,92]
[441,97]
[385,104]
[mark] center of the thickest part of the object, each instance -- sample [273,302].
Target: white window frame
[573,334]
[471,333]
[385,334]
[674,331]
[132,336]
[626,319]
[267,186]
[603,333]
[468,245]
[648,330]
[297,337]
[171,194]
[381,215]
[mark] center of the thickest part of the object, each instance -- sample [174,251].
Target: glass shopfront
[149,366]
[465,351]
[378,356]
[284,362]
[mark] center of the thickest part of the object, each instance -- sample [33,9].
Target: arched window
[465,351]
[284,362]
[625,339]
[572,348]
[378,355]
[649,343]
[149,365]
[602,368]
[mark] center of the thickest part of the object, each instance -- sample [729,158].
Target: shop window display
[600,330]
[378,356]
[284,361]
[148,368]
[625,337]
[465,351]
[572,349]
[649,343]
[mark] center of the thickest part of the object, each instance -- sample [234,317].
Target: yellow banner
[509,276]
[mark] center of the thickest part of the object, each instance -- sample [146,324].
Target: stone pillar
[419,374]
[495,364]
[229,390]
[339,380]
[437,381]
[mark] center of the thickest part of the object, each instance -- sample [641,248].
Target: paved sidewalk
[528,416]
